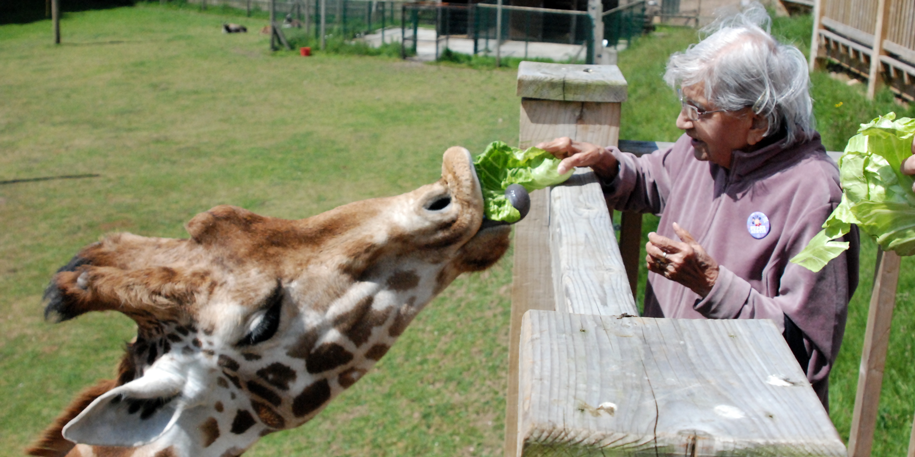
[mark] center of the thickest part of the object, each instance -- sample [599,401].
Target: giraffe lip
[488,224]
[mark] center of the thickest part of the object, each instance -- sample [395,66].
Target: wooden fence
[873,38]
[588,376]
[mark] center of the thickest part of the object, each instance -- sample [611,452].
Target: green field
[165,117]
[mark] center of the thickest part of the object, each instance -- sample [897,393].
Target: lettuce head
[501,165]
[876,195]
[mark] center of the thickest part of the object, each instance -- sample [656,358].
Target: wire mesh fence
[306,20]
[428,29]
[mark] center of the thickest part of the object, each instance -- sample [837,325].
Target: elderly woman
[740,193]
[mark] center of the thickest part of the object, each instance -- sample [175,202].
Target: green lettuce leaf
[876,195]
[501,165]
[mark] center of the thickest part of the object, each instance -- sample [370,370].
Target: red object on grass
[305,51]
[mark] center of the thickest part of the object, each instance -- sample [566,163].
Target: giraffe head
[253,324]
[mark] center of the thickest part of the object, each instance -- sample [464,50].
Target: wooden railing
[874,38]
[589,377]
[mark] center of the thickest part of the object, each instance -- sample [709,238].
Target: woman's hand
[908,167]
[685,262]
[579,154]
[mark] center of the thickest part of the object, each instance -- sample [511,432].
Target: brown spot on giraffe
[242,422]
[228,363]
[326,357]
[357,324]
[349,377]
[210,430]
[402,281]
[377,351]
[312,398]
[306,342]
[277,375]
[264,392]
[267,415]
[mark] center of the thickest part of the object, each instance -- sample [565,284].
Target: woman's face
[716,135]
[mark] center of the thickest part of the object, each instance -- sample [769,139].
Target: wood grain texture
[567,82]
[529,291]
[588,272]
[873,356]
[599,385]
[544,120]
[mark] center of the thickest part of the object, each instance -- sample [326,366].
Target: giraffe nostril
[439,203]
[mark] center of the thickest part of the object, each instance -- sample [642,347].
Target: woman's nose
[683,122]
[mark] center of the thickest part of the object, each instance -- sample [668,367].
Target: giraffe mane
[52,443]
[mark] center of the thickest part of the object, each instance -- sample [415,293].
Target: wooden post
[874,77]
[911,452]
[582,102]
[873,356]
[815,37]
[55,19]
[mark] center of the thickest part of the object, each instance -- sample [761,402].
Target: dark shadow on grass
[50,178]
[24,12]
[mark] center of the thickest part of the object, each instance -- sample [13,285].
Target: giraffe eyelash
[268,323]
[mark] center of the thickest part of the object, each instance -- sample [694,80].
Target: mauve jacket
[796,188]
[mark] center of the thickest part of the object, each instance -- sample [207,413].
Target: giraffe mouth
[517,195]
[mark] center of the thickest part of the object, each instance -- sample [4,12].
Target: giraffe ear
[133,414]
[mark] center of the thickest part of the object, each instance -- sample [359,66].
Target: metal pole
[323,28]
[498,37]
[595,10]
[272,25]
[55,19]
[382,21]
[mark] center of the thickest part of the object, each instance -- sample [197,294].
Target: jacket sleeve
[642,183]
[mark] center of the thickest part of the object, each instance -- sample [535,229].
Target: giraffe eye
[269,322]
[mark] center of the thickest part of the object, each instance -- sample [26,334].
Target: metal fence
[302,21]
[472,29]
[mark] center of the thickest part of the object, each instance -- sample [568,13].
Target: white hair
[742,66]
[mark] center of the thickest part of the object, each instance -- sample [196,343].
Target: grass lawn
[170,117]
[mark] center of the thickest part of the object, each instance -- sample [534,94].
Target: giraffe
[254,324]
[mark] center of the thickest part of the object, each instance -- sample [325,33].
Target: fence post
[595,10]
[581,102]
[815,37]
[55,19]
[873,78]
[873,356]
[323,25]
[499,34]
[272,6]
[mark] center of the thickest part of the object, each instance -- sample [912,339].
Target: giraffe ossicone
[254,324]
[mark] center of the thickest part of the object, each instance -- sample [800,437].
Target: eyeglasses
[693,112]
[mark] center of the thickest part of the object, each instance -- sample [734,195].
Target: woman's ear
[759,127]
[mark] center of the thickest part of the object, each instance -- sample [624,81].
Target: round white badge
[758,225]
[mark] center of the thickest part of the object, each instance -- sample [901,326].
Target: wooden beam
[911,452]
[605,386]
[588,272]
[874,79]
[532,288]
[873,356]
[557,101]
[815,35]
